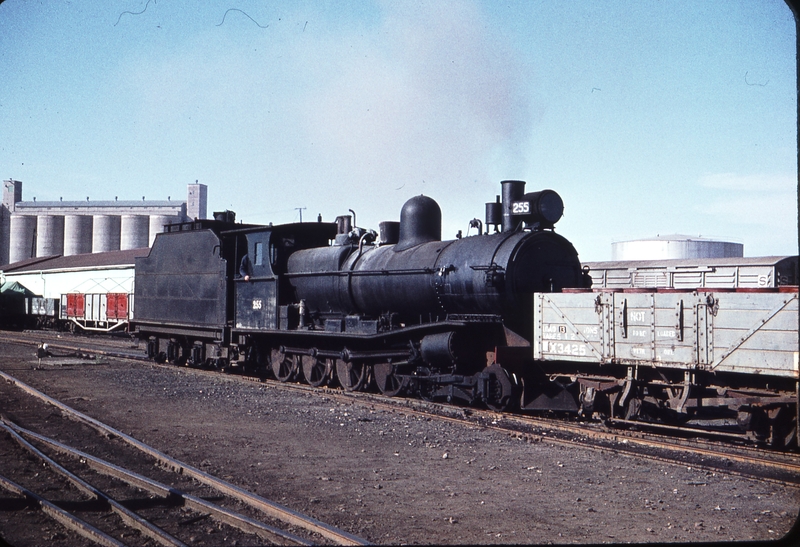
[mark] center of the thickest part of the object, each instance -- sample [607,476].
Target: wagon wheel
[352,375]
[285,366]
[386,379]
[317,371]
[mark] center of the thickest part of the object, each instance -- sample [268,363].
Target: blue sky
[648,117]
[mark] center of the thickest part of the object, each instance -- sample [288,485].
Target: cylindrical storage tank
[77,234]
[157,223]
[133,232]
[49,235]
[105,233]
[675,247]
[21,245]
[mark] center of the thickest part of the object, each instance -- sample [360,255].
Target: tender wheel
[316,371]
[352,375]
[285,366]
[176,353]
[386,379]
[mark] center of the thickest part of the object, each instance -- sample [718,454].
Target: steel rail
[243,523]
[128,517]
[527,421]
[56,513]
[266,506]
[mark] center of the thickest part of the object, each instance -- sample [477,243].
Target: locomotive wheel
[285,366]
[316,371]
[352,375]
[386,379]
[425,388]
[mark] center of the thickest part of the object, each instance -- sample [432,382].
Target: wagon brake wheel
[386,379]
[317,371]
[352,375]
[285,366]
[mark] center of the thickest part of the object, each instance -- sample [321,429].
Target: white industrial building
[89,273]
[674,247]
[30,229]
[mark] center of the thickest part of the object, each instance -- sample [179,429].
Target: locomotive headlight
[545,207]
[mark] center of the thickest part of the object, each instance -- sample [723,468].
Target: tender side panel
[182,281]
[740,332]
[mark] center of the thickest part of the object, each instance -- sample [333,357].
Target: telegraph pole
[300,209]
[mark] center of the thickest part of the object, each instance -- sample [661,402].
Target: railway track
[110,519]
[654,442]
[745,461]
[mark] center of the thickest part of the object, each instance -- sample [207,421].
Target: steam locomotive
[506,318]
[334,302]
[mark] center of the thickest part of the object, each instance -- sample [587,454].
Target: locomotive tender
[330,300]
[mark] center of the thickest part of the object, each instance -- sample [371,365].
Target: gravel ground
[395,478]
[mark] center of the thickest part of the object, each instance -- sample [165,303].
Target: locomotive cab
[265,300]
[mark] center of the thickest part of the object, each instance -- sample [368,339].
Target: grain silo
[105,233]
[77,234]
[49,235]
[157,223]
[21,246]
[134,231]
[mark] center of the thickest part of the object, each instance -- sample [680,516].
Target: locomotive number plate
[520,207]
[257,303]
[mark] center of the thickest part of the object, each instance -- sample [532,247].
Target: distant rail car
[100,312]
[728,273]
[42,313]
[96,311]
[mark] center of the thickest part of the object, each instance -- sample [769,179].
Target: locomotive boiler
[330,301]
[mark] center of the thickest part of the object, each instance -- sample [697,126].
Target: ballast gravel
[398,478]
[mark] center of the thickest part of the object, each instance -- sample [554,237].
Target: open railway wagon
[718,359]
